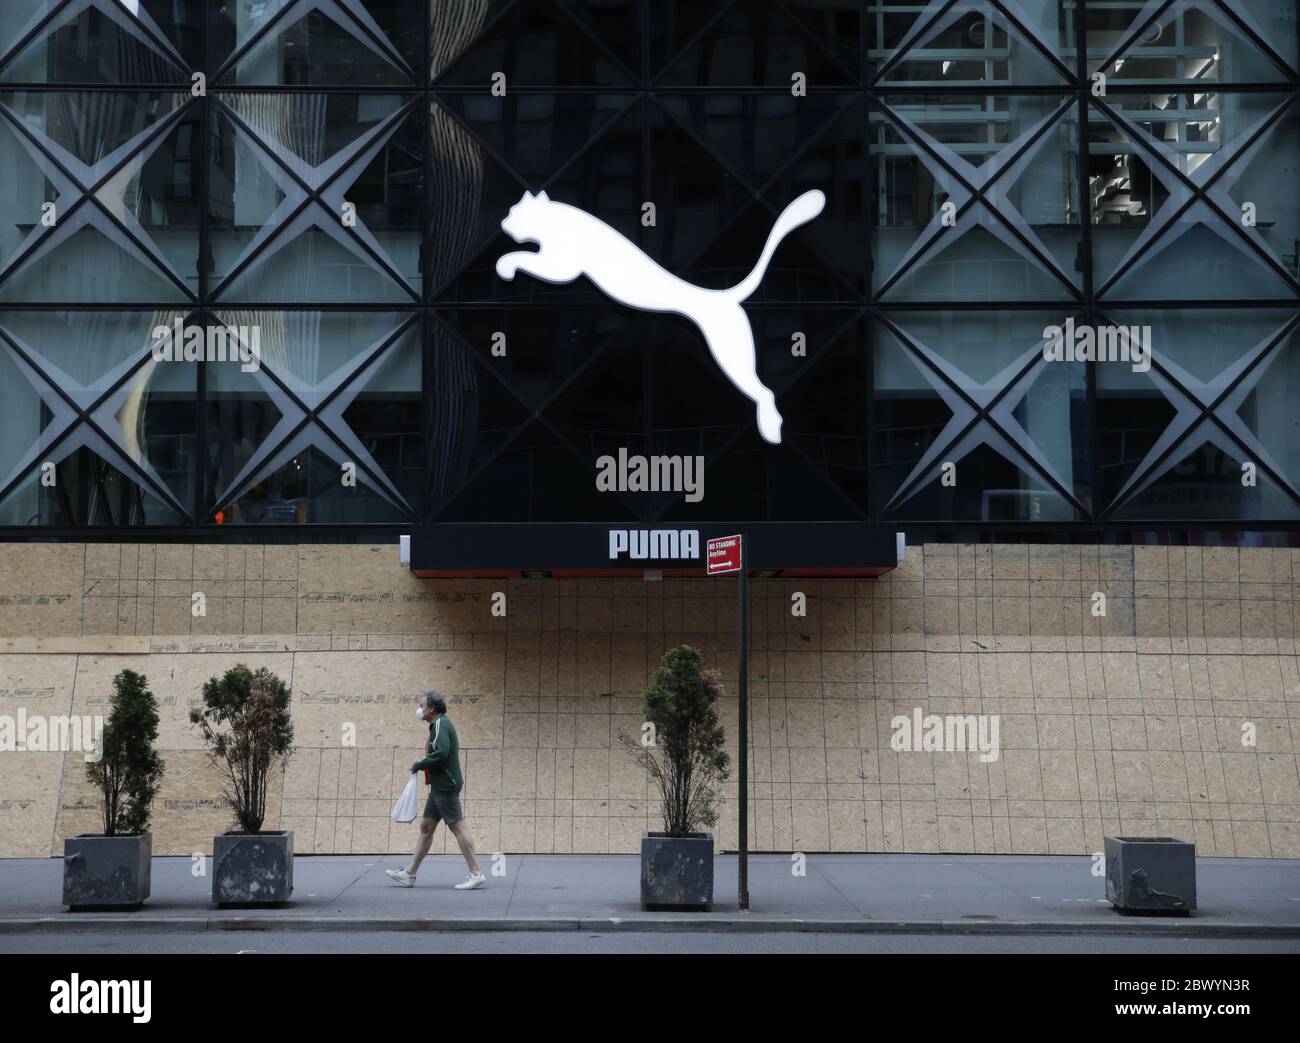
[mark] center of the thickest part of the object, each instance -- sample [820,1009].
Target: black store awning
[601,549]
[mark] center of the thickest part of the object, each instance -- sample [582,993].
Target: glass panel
[757,135]
[974,387]
[1201,41]
[344,43]
[710,231]
[781,147]
[1203,482]
[1151,425]
[87,491]
[1271,23]
[357,238]
[242,416]
[95,130]
[140,41]
[474,416]
[1262,182]
[103,188]
[758,43]
[750,480]
[534,43]
[1267,409]
[358,166]
[583,149]
[540,349]
[934,238]
[966,42]
[33,421]
[1155,238]
[695,409]
[307,489]
[822,398]
[330,388]
[534,478]
[83,393]
[385,416]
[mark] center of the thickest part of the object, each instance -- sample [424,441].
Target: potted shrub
[112,868]
[245,722]
[683,752]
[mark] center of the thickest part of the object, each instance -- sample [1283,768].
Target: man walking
[441,766]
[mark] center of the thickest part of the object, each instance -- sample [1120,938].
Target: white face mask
[419,712]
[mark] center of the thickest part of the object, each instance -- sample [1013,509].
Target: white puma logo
[573,243]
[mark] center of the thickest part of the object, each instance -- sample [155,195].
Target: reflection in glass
[935,238]
[1156,237]
[956,44]
[316,198]
[1198,41]
[103,197]
[83,396]
[345,43]
[969,394]
[336,394]
[99,41]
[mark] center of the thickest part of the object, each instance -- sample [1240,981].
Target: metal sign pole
[743,692]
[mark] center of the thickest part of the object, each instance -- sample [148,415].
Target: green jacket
[442,756]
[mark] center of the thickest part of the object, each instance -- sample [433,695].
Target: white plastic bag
[408,803]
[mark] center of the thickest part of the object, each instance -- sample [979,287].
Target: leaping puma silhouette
[573,243]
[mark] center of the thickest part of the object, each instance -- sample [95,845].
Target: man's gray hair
[435,701]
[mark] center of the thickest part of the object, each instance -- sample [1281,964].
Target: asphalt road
[467,943]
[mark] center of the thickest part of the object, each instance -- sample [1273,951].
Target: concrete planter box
[106,872]
[677,872]
[1153,875]
[252,868]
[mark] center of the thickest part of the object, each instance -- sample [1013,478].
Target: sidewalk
[998,894]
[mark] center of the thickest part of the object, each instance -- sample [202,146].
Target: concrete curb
[687,923]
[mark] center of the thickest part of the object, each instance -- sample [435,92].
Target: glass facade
[319,186]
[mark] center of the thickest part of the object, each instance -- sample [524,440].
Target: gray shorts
[444,804]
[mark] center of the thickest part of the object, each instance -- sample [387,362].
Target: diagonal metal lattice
[99,194]
[1161,14]
[93,195]
[981,192]
[313,196]
[1209,411]
[127,15]
[350,15]
[87,416]
[1200,196]
[940,16]
[311,417]
[983,413]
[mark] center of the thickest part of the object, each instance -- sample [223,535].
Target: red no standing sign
[723,555]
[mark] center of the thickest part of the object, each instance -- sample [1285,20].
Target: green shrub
[129,769]
[686,758]
[245,722]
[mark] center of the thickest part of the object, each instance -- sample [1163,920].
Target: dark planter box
[252,868]
[1151,875]
[677,872]
[106,872]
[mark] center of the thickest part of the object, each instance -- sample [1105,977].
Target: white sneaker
[400,877]
[474,880]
